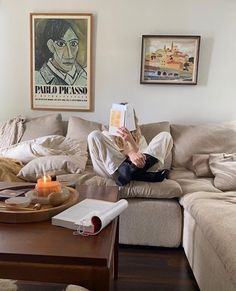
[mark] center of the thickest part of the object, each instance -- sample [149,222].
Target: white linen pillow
[223,167]
[44,146]
[52,165]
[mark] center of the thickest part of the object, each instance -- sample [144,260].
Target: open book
[89,216]
[121,115]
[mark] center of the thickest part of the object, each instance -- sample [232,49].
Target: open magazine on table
[89,216]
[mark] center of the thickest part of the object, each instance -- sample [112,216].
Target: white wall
[118,28]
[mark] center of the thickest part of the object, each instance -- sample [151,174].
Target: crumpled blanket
[9,168]
[11,131]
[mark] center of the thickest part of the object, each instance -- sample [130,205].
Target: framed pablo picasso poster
[60,63]
[169,59]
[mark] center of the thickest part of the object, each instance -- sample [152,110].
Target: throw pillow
[79,128]
[223,167]
[42,126]
[52,165]
[200,165]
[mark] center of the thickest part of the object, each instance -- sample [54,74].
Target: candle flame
[46,179]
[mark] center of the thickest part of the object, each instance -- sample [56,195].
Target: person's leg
[104,155]
[107,160]
[160,146]
[157,151]
[127,171]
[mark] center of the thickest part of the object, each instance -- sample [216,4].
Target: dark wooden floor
[151,269]
[142,269]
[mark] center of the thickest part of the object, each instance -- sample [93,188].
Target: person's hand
[137,158]
[125,134]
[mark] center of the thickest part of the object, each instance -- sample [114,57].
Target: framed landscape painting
[169,59]
[60,61]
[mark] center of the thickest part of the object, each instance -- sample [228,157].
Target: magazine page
[102,219]
[96,220]
[89,216]
[80,212]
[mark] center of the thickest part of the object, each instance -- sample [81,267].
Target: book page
[129,118]
[102,219]
[80,212]
[117,118]
[89,216]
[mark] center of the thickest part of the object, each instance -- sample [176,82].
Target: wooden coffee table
[40,251]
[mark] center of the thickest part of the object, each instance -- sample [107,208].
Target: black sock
[152,176]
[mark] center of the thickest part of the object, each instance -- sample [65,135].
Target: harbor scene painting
[169,59]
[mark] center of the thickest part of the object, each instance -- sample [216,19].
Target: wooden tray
[45,213]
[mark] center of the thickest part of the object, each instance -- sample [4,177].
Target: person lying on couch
[127,156]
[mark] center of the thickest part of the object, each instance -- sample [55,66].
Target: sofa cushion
[151,222]
[79,128]
[190,183]
[150,130]
[202,139]
[50,124]
[215,215]
[135,189]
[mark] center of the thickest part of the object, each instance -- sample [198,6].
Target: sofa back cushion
[201,139]
[49,124]
[79,128]
[152,129]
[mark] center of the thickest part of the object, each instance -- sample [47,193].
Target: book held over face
[121,115]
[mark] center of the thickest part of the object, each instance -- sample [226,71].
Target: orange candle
[45,186]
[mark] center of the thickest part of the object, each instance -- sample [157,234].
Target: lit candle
[45,186]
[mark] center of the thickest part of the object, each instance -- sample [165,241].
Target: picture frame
[169,59]
[60,61]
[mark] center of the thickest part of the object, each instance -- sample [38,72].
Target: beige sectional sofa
[195,207]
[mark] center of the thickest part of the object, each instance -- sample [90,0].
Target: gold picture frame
[60,66]
[169,59]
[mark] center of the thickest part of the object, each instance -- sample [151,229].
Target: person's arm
[132,151]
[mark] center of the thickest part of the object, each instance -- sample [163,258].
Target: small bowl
[18,202]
